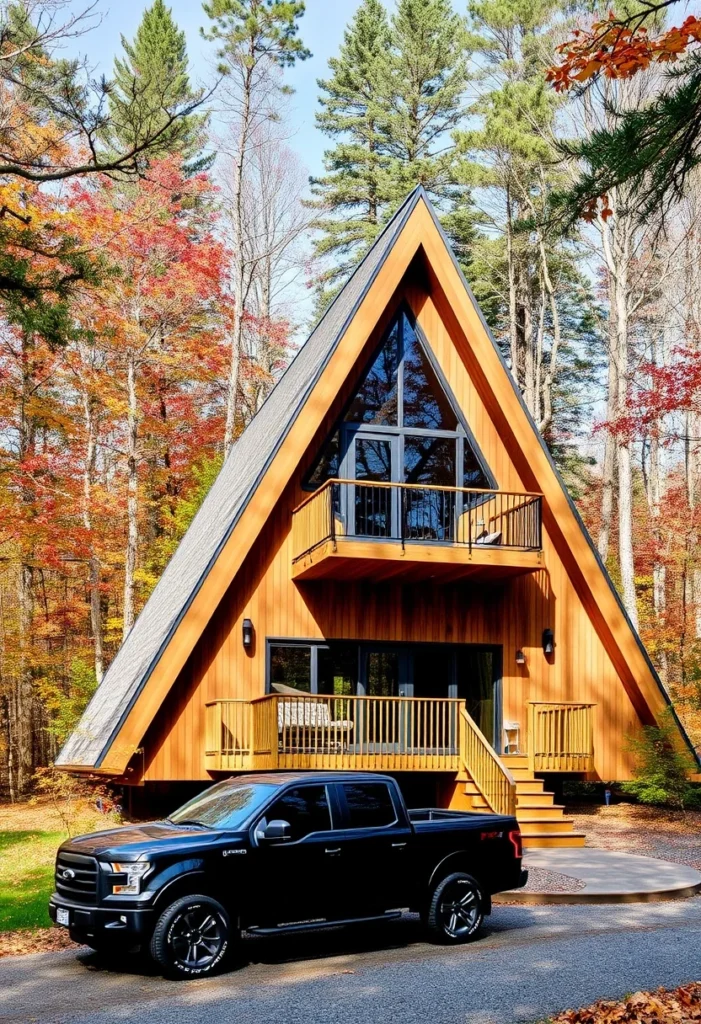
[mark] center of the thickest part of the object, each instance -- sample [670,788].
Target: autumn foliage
[661,1007]
[615,49]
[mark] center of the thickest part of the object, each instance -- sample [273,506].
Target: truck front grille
[76,877]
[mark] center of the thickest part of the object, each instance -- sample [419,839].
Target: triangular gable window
[402,395]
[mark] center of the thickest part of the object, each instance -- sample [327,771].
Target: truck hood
[132,841]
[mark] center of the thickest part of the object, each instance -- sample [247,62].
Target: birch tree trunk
[239,272]
[89,418]
[132,495]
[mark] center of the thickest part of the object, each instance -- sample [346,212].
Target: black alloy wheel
[456,909]
[191,937]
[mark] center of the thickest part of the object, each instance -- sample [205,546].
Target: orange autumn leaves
[679,1006]
[610,47]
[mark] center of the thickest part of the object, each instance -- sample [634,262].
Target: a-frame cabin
[387,574]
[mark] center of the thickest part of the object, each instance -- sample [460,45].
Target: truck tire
[455,909]
[192,937]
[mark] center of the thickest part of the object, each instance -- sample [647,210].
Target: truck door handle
[398,846]
[333,852]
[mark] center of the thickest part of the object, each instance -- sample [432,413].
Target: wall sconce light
[520,657]
[548,641]
[247,633]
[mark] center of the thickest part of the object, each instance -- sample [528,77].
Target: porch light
[247,633]
[520,657]
[548,641]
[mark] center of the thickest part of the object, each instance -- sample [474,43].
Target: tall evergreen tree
[150,80]
[423,78]
[396,94]
[350,114]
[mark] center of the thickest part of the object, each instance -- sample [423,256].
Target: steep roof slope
[203,553]
[211,527]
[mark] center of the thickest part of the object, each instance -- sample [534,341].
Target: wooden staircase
[542,821]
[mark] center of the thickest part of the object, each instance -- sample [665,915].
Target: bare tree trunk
[511,271]
[24,702]
[89,416]
[623,456]
[548,379]
[239,272]
[609,468]
[132,495]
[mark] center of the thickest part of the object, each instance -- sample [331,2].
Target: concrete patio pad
[601,876]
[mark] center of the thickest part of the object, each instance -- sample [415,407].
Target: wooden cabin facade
[387,575]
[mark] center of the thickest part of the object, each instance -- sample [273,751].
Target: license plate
[62,916]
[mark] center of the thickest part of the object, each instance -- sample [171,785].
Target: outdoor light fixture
[520,658]
[247,633]
[548,641]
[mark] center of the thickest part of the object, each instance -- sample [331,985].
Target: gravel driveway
[533,961]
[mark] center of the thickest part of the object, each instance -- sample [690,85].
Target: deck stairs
[543,822]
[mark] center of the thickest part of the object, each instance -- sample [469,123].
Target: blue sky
[321,29]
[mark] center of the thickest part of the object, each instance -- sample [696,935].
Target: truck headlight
[134,872]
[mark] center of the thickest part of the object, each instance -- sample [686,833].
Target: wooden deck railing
[494,781]
[416,513]
[561,736]
[229,735]
[325,732]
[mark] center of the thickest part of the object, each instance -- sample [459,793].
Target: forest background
[164,250]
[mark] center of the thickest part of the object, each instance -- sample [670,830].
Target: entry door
[373,511]
[478,683]
[386,673]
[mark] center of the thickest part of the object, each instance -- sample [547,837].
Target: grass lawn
[26,877]
[30,834]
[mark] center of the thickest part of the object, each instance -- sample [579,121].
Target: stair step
[545,824]
[528,786]
[515,760]
[563,840]
[536,812]
[536,800]
[521,774]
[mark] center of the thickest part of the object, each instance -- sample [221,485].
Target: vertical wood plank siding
[511,613]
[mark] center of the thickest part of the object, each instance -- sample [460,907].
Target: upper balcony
[375,530]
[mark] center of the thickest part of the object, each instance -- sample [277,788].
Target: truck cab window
[369,805]
[306,808]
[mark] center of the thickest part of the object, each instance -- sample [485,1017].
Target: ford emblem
[68,873]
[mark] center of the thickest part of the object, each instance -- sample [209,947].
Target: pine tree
[350,115]
[150,81]
[423,78]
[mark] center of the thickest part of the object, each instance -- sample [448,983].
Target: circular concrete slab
[601,876]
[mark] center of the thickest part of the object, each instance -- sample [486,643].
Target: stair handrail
[488,772]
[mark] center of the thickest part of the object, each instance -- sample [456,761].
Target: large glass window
[290,668]
[401,397]
[338,670]
[376,399]
[425,402]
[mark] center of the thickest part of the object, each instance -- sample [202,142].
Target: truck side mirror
[277,831]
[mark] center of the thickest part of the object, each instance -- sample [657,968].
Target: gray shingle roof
[219,513]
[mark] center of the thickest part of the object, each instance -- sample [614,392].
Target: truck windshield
[226,805]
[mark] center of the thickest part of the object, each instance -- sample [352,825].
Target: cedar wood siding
[512,613]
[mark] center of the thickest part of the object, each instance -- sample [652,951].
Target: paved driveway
[533,961]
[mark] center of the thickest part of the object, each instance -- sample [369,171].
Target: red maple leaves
[615,49]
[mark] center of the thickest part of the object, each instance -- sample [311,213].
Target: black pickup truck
[281,852]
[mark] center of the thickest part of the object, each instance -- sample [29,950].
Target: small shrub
[661,773]
[67,794]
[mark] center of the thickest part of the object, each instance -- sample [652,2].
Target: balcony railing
[417,513]
[355,733]
[561,736]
